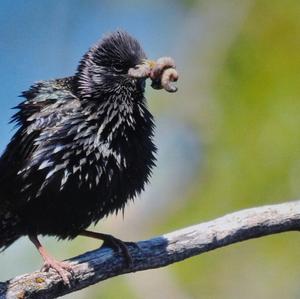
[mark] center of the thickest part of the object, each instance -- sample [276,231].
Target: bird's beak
[142,70]
[150,63]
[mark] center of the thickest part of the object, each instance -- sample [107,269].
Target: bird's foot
[63,269]
[118,246]
[114,243]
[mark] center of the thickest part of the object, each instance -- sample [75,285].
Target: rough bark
[104,263]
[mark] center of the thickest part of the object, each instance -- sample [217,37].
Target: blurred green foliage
[254,158]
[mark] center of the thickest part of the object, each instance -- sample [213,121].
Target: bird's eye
[118,69]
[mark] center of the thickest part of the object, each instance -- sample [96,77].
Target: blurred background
[228,139]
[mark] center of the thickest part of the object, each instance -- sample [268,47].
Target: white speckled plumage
[83,146]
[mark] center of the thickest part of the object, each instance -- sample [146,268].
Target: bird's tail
[9,229]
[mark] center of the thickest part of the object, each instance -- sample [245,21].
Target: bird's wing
[42,99]
[46,106]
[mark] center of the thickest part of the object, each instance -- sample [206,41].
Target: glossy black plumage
[83,147]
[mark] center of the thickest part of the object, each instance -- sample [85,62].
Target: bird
[83,147]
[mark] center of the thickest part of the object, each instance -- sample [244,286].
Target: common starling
[83,147]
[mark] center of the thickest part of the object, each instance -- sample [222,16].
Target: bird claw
[119,246]
[132,244]
[63,269]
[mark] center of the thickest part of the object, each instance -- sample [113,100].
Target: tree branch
[103,263]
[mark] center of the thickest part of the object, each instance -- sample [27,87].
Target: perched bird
[83,147]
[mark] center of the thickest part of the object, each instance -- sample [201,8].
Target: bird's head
[105,68]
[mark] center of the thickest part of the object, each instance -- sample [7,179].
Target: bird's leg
[111,241]
[64,269]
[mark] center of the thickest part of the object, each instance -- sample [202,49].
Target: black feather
[83,147]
